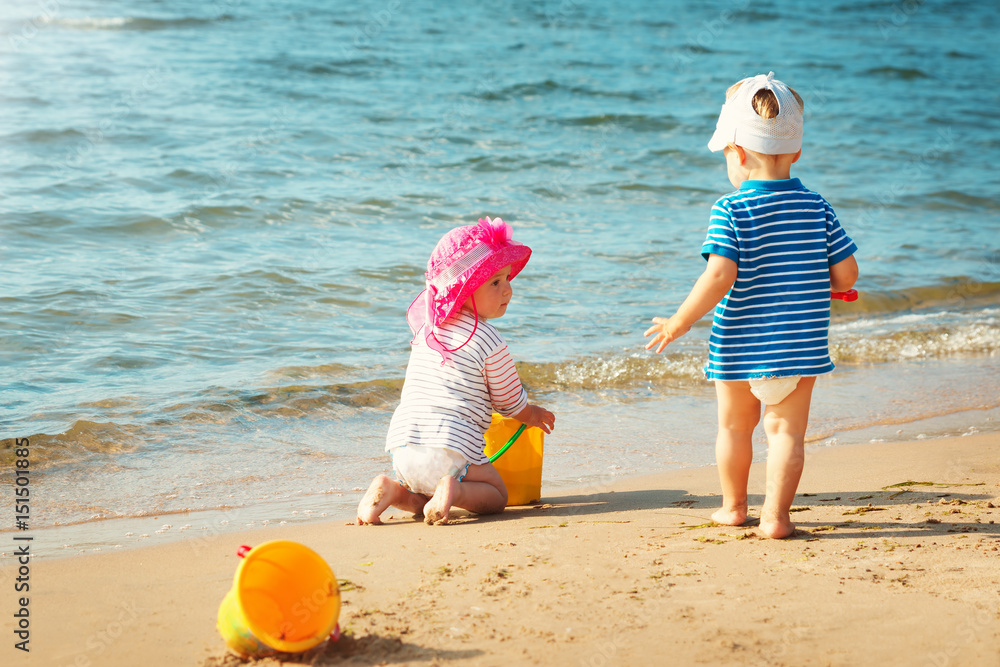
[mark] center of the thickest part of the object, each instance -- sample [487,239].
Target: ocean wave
[937,343]
[135,426]
[520,91]
[137,22]
[227,407]
[613,372]
[44,136]
[84,439]
[661,189]
[379,393]
[952,200]
[634,122]
[900,73]
[753,15]
[894,335]
[320,392]
[696,49]
[347,67]
[195,218]
[964,56]
[684,370]
[957,293]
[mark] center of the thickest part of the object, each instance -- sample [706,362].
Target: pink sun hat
[462,261]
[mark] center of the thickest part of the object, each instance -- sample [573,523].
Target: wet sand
[897,562]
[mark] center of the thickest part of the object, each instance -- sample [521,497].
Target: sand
[897,562]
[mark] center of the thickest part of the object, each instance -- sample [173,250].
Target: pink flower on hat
[463,260]
[497,232]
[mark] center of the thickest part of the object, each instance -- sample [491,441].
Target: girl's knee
[487,474]
[496,508]
[501,495]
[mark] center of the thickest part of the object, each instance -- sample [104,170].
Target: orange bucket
[284,598]
[521,465]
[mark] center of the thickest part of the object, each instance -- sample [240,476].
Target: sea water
[214,215]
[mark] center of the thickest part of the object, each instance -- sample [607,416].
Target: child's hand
[666,330]
[708,291]
[537,416]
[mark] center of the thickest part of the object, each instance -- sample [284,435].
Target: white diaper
[772,391]
[420,468]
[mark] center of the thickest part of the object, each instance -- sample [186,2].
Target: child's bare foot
[377,499]
[437,508]
[730,516]
[775,526]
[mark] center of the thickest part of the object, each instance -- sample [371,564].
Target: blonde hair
[764,102]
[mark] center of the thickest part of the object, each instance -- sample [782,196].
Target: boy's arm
[714,283]
[843,274]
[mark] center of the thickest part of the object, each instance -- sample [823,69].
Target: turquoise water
[213,216]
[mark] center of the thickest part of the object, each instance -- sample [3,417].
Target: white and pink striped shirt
[450,405]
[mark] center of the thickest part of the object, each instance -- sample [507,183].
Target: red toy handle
[243,551]
[849,295]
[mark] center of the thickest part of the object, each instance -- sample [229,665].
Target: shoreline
[609,574]
[109,535]
[123,500]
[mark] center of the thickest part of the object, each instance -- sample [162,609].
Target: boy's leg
[785,425]
[481,491]
[739,413]
[384,492]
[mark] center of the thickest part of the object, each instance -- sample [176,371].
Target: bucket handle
[510,442]
[243,551]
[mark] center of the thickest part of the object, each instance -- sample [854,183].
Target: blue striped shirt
[774,321]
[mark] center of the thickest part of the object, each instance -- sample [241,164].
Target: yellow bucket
[284,599]
[521,465]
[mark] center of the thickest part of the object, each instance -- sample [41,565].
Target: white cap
[739,124]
